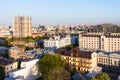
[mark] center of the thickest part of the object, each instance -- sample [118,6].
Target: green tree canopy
[102,76]
[49,62]
[58,73]
[2,73]
[92,78]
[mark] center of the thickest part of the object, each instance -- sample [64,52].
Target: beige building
[109,62]
[15,51]
[8,65]
[107,42]
[89,41]
[29,44]
[22,26]
[110,43]
[83,61]
[109,59]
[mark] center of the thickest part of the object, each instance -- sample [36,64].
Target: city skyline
[62,12]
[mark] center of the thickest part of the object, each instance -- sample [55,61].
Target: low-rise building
[4,51]
[28,71]
[15,51]
[8,65]
[83,61]
[109,61]
[29,44]
[57,42]
[5,31]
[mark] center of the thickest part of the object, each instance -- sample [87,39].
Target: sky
[63,12]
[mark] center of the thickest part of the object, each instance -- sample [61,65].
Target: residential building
[3,51]
[83,61]
[89,41]
[5,31]
[110,43]
[29,44]
[57,42]
[74,38]
[104,28]
[15,51]
[104,42]
[8,65]
[28,71]
[109,61]
[22,26]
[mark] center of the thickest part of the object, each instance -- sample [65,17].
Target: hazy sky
[61,11]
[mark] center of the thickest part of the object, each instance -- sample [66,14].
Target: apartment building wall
[110,43]
[107,43]
[22,26]
[109,59]
[10,67]
[83,61]
[109,62]
[89,42]
[57,42]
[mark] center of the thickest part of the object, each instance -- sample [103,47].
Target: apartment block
[22,26]
[104,42]
[83,61]
[109,61]
[57,42]
[8,65]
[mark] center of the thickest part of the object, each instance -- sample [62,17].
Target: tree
[102,76]
[28,48]
[2,73]
[58,73]
[49,62]
[72,71]
[92,78]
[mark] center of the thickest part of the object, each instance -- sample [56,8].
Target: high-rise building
[22,26]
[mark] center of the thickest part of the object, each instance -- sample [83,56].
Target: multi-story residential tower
[22,26]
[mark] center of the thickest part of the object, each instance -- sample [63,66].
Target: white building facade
[57,42]
[112,59]
[28,71]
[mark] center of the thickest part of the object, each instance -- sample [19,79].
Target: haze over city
[61,11]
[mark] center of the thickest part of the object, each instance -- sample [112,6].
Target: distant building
[5,31]
[8,65]
[29,44]
[15,51]
[74,38]
[57,42]
[22,26]
[105,28]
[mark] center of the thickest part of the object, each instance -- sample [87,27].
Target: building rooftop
[3,48]
[4,61]
[75,52]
